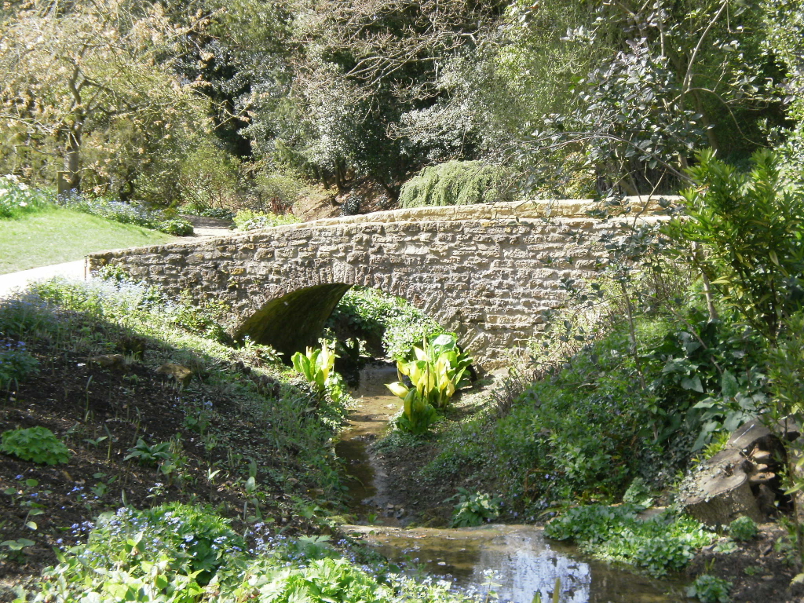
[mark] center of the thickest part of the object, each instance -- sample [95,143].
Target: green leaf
[692,383]
[728,385]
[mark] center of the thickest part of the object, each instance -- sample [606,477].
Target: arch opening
[294,321]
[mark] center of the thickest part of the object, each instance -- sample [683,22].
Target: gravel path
[19,280]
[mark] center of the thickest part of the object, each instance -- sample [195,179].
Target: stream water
[517,559]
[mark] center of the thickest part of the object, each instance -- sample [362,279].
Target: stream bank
[516,561]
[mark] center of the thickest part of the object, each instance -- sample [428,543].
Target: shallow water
[521,561]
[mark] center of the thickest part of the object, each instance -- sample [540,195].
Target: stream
[516,560]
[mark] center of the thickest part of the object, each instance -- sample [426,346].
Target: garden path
[9,283]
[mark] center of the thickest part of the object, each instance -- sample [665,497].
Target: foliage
[743,529]
[438,371]
[388,324]
[351,205]
[659,544]
[473,508]
[152,455]
[16,363]
[73,318]
[172,550]
[125,213]
[208,179]
[279,191]
[656,86]
[542,451]
[179,553]
[316,366]
[220,213]
[638,494]
[17,198]
[440,368]
[417,413]
[246,219]
[203,318]
[35,444]
[710,589]
[456,183]
[177,227]
[783,20]
[90,90]
[751,226]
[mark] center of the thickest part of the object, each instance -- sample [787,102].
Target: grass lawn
[61,235]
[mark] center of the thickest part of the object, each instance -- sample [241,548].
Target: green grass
[61,235]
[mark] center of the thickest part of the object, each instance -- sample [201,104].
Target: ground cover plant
[660,544]
[16,198]
[182,553]
[247,219]
[126,213]
[242,434]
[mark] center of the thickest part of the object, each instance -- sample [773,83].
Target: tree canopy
[136,97]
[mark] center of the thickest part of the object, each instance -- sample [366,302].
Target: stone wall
[486,272]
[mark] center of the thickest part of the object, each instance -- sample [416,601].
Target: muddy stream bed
[517,559]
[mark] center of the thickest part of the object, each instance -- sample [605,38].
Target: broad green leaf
[728,385]
[692,383]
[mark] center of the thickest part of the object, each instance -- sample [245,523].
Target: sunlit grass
[60,235]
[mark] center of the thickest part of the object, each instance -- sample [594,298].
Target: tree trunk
[72,156]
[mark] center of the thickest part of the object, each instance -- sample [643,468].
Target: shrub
[112,209]
[16,364]
[17,198]
[473,508]
[176,227]
[36,444]
[750,225]
[455,183]
[743,529]
[710,589]
[351,206]
[194,209]
[247,219]
[278,192]
[660,544]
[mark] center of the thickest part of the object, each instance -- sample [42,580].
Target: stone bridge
[485,272]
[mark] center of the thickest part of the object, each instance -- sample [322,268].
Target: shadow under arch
[294,321]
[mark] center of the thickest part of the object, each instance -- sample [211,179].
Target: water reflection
[521,563]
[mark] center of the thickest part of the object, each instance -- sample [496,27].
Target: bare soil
[100,413]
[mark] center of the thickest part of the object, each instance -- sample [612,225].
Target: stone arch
[292,316]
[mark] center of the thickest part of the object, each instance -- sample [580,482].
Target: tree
[358,68]
[94,71]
